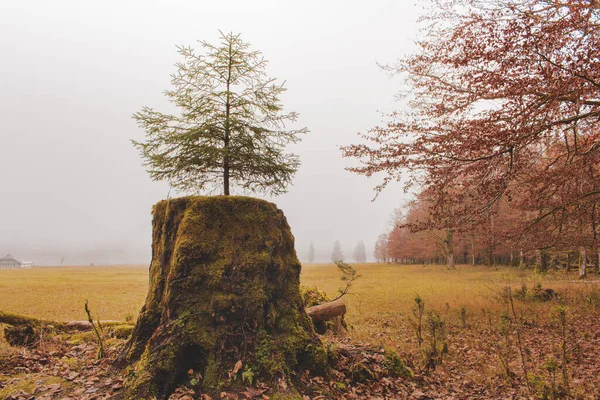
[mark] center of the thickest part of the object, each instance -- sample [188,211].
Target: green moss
[293,395]
[213,376]
[122,331]
[395,366]
[81,337]
[311,296]
[319,358]
[28,383]
[361,372]
[71,362]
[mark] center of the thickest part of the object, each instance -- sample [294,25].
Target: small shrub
[521,294]
[417,323]
[550,366]
[504,349]
[538,385]
[437,346]
[560,314]
[537,293]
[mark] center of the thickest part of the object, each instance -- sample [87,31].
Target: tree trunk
[224,289]
[450,248]
[492,244]
[582,263]
[521,260]
[226,165]
[541,262]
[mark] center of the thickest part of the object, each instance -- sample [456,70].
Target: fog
[73,72]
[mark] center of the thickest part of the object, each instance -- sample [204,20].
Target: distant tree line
[359,254]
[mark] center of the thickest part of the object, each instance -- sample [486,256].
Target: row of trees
[487,243]
[359,253]
[499,135]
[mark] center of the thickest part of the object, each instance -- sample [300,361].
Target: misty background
[73,72]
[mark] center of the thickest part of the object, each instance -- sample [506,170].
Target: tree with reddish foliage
[381,251]
[504,103]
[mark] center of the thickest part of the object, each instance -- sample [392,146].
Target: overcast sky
[73,72]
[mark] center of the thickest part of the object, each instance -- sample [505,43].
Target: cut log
[327,311]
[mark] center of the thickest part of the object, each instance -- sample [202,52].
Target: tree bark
[450,248]
[582,263]
[521,260]
[541,262]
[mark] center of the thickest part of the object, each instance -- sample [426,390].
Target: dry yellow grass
[379,302]
[58,293]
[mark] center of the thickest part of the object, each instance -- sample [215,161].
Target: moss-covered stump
[224,306]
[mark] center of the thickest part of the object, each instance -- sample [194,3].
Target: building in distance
[9,261]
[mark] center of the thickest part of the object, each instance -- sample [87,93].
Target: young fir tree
[337,254]
[230,130]
[311,253]
[359,253]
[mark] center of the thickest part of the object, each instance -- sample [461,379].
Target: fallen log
[85,325]
[17,320]
[320,313]
[327,311]
[23,320]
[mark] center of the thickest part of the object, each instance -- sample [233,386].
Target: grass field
[380,301]
[380,306]
[382,291]
[59,293]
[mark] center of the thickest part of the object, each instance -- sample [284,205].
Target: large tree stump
[224,288]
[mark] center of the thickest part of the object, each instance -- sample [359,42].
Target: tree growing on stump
[231,129]
[224,298]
